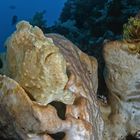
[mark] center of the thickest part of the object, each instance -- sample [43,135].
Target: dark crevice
[1,138]
[60,107]
[30,96]
[130,137]
[58,136]
[68,72]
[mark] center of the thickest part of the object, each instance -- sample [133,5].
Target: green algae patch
[131,30]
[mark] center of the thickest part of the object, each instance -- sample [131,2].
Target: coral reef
[48,87]
[44,70]
[100,20]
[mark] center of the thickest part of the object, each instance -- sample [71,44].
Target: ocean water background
[24,10]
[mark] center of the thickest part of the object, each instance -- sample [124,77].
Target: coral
[38,20]
[131,35]
[97,18]
[44,70]
[114,8]
[122,77]
[131,31]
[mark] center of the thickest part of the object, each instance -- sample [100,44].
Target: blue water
[24,10]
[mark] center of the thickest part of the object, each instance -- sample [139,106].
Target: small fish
[14,20]
[12,7]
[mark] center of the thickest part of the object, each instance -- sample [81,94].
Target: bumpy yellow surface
[37,65]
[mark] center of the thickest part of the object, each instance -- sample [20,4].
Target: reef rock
[45,69]
[122,76]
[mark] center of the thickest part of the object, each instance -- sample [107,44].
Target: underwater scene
[70,70]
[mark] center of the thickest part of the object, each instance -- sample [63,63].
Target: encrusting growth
[131,35]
